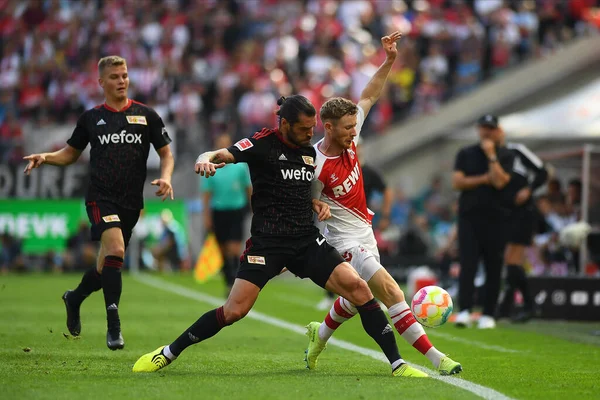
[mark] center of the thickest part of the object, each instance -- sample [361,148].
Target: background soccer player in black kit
[282,165]
[527,174]
[120,133]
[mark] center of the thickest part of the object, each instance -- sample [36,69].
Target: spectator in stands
[81,251]
[550,257]
[415,244]
[574,197]
[170,252]
[554,191]
[401,208]
[11,254]
[11,139]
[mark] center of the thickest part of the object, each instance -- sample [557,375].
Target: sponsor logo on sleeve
[244,144]
[111,218]
[256,260]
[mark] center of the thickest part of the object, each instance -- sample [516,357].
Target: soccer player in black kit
[528,173]
[282,165]
[120,133]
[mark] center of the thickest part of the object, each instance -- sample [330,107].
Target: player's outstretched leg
[319,333]
[240,301]
[91,282]
[387,290]
[205,327]
[345,281]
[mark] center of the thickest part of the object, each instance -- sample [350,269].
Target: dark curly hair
[291,107]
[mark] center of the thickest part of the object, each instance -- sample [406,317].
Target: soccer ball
[431,306]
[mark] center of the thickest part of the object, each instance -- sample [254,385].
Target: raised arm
[207,163]
[65,156]
[372,91]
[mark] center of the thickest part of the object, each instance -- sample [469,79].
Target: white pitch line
[299,301]
[471,342]
[481,391]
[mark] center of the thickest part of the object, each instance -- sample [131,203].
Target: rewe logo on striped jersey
[346,186]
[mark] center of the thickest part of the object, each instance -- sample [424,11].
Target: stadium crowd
[210,66]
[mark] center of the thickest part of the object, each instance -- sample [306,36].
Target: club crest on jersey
[333,178]
[243,144]
[352,153]
[137,119]
[308,160]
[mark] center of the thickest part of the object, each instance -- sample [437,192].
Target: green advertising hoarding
[45,225]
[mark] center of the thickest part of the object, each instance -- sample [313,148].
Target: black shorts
[228,225]
[104,215]
[311,257]
[522,224]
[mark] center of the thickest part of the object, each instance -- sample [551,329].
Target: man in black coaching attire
[480,175]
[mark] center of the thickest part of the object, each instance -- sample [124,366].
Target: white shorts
[363,261]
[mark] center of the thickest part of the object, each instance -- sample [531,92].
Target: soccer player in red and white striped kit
[339,183]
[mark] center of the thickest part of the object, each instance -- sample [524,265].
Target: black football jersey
[472,161]
[281,178]
[527,169]
[120,144]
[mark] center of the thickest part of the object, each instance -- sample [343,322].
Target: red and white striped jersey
[339,183]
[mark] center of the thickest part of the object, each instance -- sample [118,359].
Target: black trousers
[481,238]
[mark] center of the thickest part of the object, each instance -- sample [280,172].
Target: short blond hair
[336,108]
[110,61]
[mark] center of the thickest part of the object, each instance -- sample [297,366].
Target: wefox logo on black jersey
[297,174]
[122,137]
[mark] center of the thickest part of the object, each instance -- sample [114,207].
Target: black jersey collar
[109,108]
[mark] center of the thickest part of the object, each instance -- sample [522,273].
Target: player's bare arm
[65,156]
[321,209]
[207,163]
[167,163]
[372,91]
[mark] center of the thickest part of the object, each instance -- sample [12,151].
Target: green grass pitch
[256,360]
